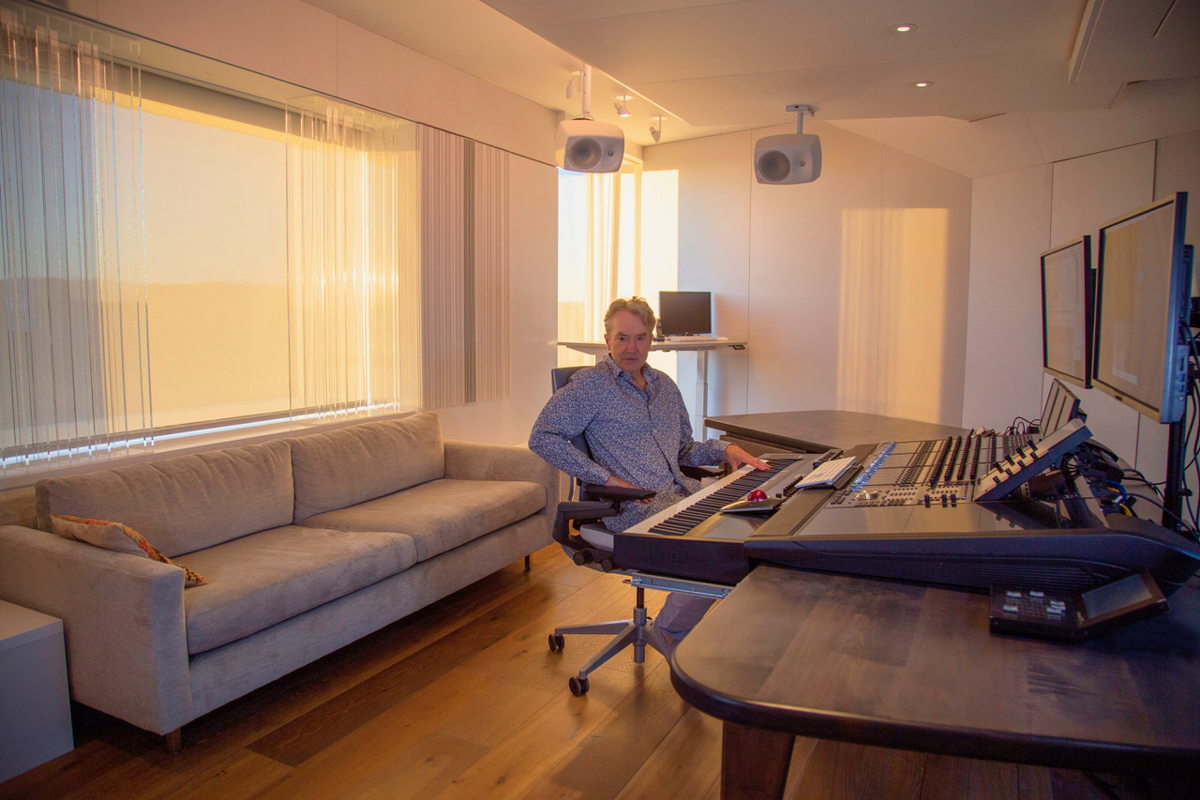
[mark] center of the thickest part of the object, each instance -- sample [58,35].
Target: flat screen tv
[1067,298]
[1143,297]
[685,313]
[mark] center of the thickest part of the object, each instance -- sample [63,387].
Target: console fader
[930,472]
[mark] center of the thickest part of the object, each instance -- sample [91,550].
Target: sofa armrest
[123,617]
[499,462]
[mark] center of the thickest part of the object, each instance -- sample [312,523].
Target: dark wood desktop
[816,431]
[884,663]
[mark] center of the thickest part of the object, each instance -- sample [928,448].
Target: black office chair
[588,543]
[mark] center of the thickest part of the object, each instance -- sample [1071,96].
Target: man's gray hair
[634,305]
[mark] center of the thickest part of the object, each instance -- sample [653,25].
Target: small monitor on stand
[1061,407]
[685,313]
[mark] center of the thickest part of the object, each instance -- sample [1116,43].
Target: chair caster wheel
[556,642]
[579,686]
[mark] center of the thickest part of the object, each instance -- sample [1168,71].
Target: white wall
[298,43]
[1017,216]
[851,290]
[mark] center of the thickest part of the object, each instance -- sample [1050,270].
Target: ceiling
[709,66]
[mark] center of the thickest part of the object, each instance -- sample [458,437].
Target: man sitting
[637,429]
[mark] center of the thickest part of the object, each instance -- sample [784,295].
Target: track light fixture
[656,129]
[622,109]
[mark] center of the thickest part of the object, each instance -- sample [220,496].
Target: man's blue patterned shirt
[641,436]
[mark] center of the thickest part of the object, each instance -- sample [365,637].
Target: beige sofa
[307,544]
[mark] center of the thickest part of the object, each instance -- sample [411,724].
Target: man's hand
[736,456]
[613,480]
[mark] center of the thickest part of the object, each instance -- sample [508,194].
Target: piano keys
[692,539]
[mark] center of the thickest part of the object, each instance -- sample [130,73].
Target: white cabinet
[35,708]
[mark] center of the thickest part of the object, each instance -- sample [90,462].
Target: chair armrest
[123,617]
[598,491]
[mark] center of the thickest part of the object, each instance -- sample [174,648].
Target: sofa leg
[527,567]
[173,741]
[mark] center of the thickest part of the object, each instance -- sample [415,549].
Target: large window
[181,258]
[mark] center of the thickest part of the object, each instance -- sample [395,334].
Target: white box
[35,707]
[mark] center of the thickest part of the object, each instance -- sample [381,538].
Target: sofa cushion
[117,537]
[350,465]
[183,503]
[259,580]
[442,514]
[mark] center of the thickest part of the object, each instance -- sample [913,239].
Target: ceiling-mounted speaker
[787,158]
[584,145]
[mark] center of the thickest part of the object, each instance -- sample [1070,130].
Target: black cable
[1186,530]
[1192,427]
[1137,473]
[1191,407]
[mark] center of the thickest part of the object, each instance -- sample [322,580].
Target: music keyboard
[697,507]
[692,539]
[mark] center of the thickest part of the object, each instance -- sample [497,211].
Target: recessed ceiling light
[922,84]
[903,27]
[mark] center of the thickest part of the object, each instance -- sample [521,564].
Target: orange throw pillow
[115,536]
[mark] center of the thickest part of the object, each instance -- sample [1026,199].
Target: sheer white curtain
[600,250]
[74,368]
[464,270]
[353,268]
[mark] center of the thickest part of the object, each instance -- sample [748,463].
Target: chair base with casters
[636,632]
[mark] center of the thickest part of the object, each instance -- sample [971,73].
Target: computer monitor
[685,313]
[1143,298]
[1067,296]
[1061,407]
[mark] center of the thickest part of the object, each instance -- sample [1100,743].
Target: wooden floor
[464,700]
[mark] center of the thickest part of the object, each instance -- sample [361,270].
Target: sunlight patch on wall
[893,308]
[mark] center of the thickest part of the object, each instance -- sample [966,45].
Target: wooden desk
[817,431]
[873,662]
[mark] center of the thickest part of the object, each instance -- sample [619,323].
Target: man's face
[628,341]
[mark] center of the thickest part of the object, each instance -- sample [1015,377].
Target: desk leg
[702,390]
[754,762]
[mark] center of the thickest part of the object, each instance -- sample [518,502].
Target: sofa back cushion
[184,503]
[362,462]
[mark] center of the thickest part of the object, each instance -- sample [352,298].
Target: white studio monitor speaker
[584,145]
[787,158]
